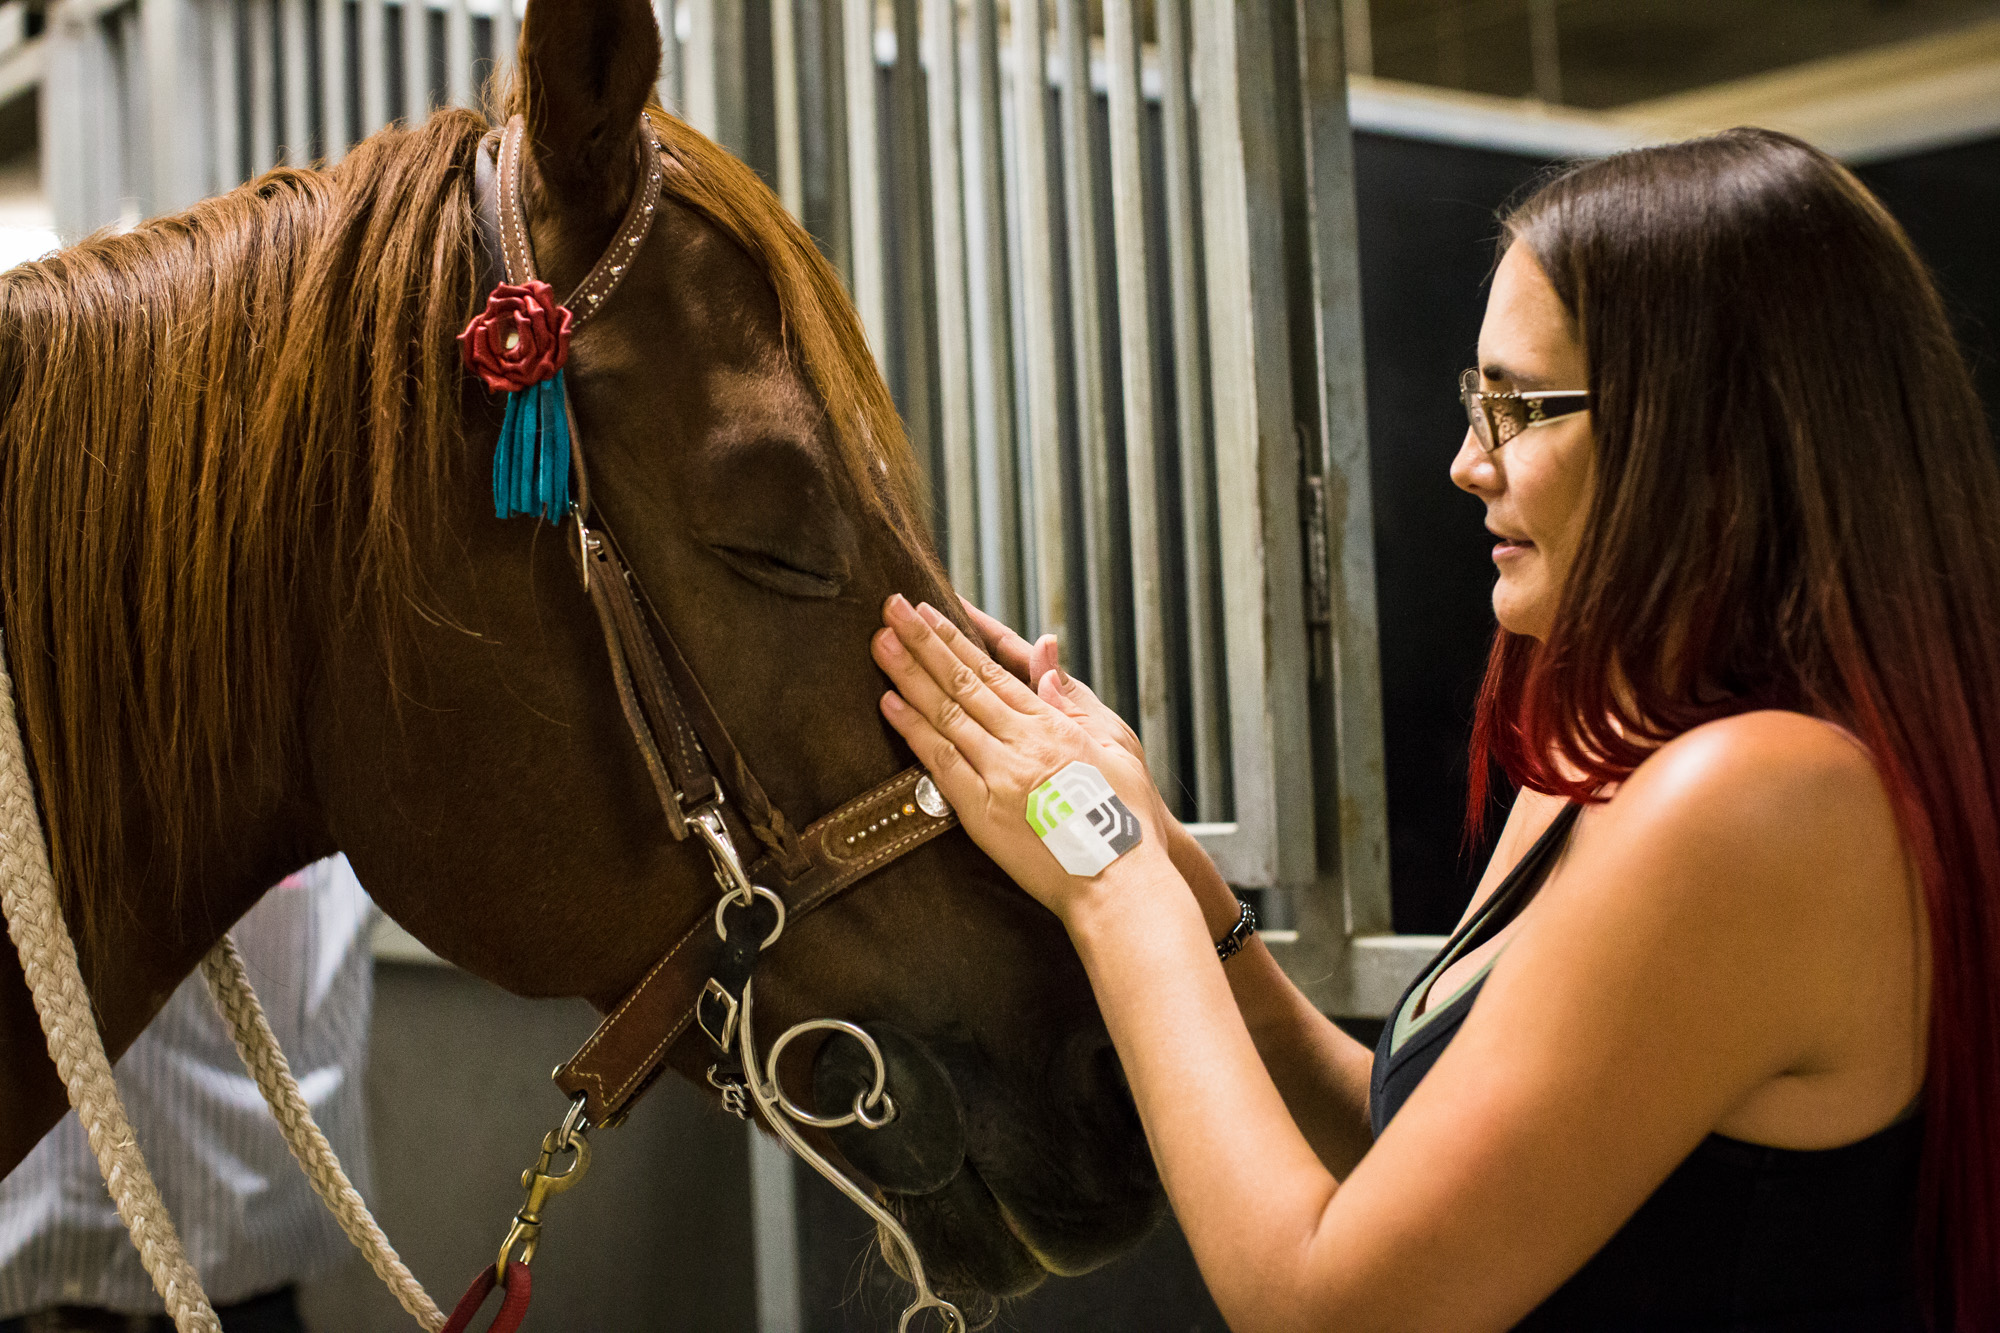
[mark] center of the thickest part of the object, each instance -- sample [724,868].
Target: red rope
[513,1305]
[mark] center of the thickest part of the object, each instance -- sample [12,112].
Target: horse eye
[778,574]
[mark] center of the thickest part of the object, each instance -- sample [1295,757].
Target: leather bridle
[703,984]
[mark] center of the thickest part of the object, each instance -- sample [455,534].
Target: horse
[258,608]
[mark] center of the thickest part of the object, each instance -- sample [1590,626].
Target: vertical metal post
[909,221]
[1203,681]
[506,35]
[174,148]
[263,87]
[948,257]
[1545,50]
[297,146]
[774,1223]
[714,72]
[457,53]
[871,279]
[333,109]
[1135,346]
[1358,33]
[1038,314]
[992,324]
[785,105]
[225,105]
[1256,451]
[373,57]
[1354,687]
[70,121]
[671,85]
[1087,339]
[416,61]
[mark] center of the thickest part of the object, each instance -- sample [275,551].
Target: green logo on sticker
[1047,807]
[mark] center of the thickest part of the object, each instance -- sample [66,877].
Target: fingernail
[899,607]
[931,614]
[892,702]
[1062,677]
[891,645]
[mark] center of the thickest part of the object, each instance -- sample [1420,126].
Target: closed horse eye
[779,574]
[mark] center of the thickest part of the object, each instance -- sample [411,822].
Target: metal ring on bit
[875,1096]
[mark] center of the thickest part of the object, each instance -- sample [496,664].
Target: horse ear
[587,67]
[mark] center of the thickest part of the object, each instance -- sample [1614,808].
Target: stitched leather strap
[518,252]
[630,1046]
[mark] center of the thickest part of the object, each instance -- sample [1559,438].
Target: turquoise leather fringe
[531,465]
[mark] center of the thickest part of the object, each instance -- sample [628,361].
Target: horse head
[738,438]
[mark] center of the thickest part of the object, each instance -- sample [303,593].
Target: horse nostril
[920,1146]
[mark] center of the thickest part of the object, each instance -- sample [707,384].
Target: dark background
[1427,214]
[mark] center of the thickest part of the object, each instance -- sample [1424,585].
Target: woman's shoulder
[1772,821]
[1774,775]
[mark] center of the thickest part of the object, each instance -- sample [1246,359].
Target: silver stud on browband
[931,799]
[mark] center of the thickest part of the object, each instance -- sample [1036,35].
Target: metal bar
[992,326]
[172,64]
[1203,682]
[1271,842]
[1358,32]
[226,107]
[822,142]
[954,353]
[458,53]
[1038,315]
[909,220]
[506,36]
[668,86]
[774,1225]
[714,72]
[864,173]
[785,105]
[416,62]
[263,88]
[333,108]
[1545,50]
[373,58]
[297,145]
[1087,340]
[1135,347]
[1353,688]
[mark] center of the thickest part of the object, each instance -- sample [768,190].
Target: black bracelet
[1239,934]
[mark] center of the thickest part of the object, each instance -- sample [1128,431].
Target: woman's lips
[1509,546]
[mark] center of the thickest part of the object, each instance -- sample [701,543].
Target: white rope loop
[48,959]
[229,985]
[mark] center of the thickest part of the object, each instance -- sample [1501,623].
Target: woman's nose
[1474,469]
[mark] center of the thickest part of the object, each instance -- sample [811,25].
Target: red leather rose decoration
[521,338]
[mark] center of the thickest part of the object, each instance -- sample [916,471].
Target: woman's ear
[586,67]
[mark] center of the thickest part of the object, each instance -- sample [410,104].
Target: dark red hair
[1797,506]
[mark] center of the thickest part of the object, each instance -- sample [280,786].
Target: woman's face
[1536,486]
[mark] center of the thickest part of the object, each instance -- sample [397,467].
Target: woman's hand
[1033,662]
[989,740]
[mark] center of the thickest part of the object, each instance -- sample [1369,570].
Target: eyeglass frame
[1543,406]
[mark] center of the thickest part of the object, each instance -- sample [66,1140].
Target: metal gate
[1105,252]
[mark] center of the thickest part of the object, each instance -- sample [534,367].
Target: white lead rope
[62,1001]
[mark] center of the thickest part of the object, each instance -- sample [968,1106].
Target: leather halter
[704,784]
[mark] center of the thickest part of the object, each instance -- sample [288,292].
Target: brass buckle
[543,1185]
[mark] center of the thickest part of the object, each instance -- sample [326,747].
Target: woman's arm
[1701,943]
[1321,1072]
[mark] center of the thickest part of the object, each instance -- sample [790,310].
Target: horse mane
[221,421]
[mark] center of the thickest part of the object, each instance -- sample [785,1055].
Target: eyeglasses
[1498,417]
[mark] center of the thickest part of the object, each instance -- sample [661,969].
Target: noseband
[704,983]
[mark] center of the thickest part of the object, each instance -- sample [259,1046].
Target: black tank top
[1741,1236]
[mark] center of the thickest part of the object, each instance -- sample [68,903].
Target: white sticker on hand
[1081,820]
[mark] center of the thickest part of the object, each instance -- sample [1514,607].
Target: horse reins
[705,787]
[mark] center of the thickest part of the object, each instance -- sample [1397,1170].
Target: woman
[1718,1043]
